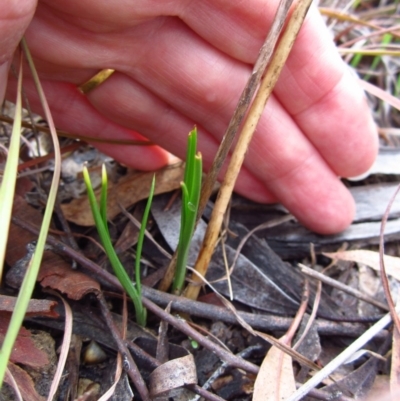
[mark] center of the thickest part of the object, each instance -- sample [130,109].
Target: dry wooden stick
[194,308]
[246,97]
[132,368]
[343,287]
[224,195]
[237,118]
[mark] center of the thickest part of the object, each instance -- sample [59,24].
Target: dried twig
[64,348]
[194,308]
[268,82]
[236,120]
[130,366]
[340,359]
[313,315]
[340,286]
[385,281]
[173,321]
[183,326]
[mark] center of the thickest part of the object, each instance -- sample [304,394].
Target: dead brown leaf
[24,383]
[275,380]
[172,375]
[371,259]
[55,273]
[36,307]
[395,365]
[19,238]
[128,190]
[25,350]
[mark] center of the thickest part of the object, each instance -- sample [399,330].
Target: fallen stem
[244,101]
[267,85]
[133,370]
[340,359]
[236,120]
[195,308]
[340,286]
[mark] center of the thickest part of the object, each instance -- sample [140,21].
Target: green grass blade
[356,60]
[386,39]
[190,204]
[190,154]
[141,236]
[119,270]
[7,188]
[103,197]
[29,281]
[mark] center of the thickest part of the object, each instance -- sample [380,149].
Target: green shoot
[100,218]
[190,204]
[397,88]
[7,188]
[30,277]
[103,197]
[142,234]
[386,39]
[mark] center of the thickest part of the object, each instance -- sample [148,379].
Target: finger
[315,86]
[321,203]
[132,108]
[72,112]
[296,174]
[15,17]
[317,89]
[136,107]
[231,26]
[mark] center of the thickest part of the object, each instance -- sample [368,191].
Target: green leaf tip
[100,218]
[191,187]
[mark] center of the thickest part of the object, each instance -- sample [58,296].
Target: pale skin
[181,63]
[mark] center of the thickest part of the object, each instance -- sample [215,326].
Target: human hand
[183,63]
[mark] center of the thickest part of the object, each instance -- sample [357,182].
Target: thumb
[15,18]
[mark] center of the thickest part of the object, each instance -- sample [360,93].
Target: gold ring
[95,81]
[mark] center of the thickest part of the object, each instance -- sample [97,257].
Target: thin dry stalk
[64,348]
[264,92]
[313,315]
[132,368]
[236,120]
[395,365]
[263,60]
[12,383]
[385,281]
[262,226]
[391,30]
[339,15]
[118,370]
[340,286]
[340,359]
[299,315]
